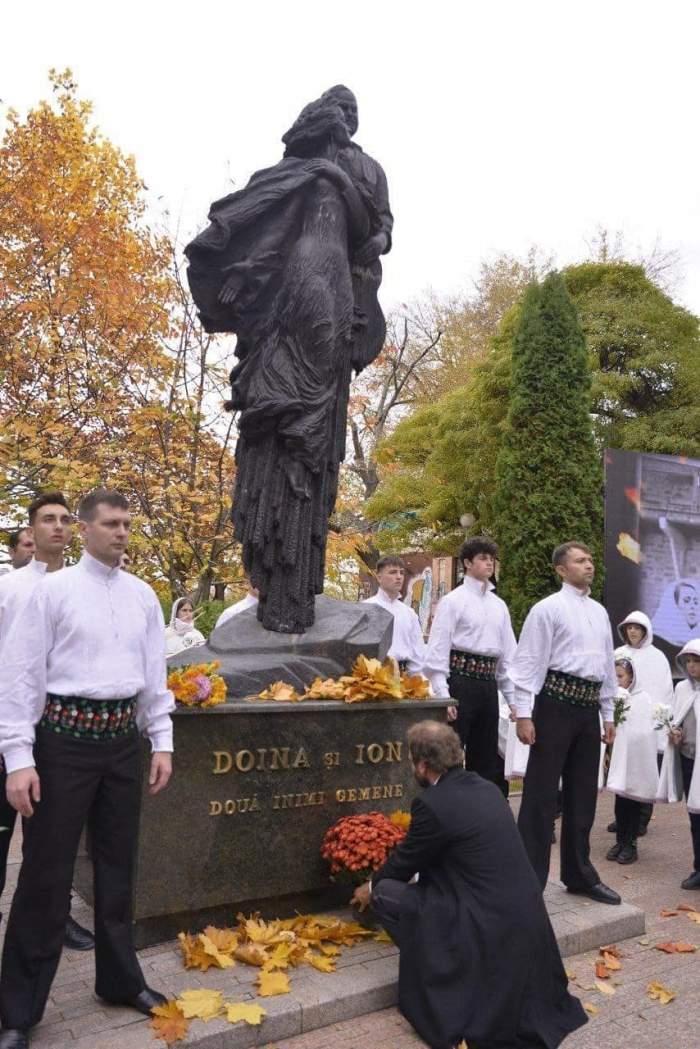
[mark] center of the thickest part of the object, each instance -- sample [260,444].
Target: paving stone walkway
[366,976]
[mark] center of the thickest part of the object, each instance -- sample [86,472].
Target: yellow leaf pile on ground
[305,940]
[370,680]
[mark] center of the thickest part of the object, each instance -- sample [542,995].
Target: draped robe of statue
[275,266]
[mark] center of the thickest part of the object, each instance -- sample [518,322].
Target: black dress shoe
[13,1039]
[143,1001]
[612,827]
[614,852]
[692,881]
[76,937]
[628,854]
[641,833]
[601,893]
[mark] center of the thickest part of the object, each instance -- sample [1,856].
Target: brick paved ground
[629,1019]
[76,1020]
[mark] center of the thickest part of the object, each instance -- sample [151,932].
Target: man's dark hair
[46,499]
[436,744]
[14,538]
[388,561]
[561,552]
[480,544]
[107,496]
[679,586]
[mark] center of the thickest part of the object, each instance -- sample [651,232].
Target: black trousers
[82,781]
[687,766]
[477,724]
[628,816]
[567,745]
[387,900]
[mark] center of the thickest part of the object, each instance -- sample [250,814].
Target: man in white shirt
[564,677]
[50,532]
[21,547]
[83,669]
[407,645]
[249,601]
[472,641]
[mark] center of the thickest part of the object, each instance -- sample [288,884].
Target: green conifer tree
[548,472]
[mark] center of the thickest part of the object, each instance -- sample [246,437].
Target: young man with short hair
[472,641]
[49,533]
[83,675]
[564,677]
[21,547]
[407,645]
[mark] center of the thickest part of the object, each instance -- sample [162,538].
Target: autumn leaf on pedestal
[280,692]
[224,961]
[251,954]
[201,1003]
[415,686]
[320,962]
[325,689]
[225,940]
[169,1022]
[657,992]
[270,984]
[248,1011]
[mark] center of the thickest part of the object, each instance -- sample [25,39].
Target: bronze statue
[291,264]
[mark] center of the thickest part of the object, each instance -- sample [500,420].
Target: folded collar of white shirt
[567,588]
[476,586]
[97,568]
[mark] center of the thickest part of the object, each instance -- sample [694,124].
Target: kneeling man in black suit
[478,958]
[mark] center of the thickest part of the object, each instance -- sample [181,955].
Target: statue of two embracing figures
[291,264]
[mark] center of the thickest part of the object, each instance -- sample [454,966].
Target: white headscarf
[651,667]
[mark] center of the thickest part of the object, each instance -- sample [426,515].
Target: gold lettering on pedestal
[234,805]
[377,793]
[298,801]
[390,751]
[272,759]
[222,762]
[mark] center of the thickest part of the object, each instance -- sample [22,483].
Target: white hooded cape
[651,667]
[686,696]
[183,635]
[633,771]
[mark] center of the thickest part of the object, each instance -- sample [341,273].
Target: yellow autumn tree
[106,377]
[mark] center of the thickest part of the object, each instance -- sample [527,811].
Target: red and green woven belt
[92,719]
[567,688]
[472,665]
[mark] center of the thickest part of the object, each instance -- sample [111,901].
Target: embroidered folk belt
[469,664]
[91,719]
[567,688]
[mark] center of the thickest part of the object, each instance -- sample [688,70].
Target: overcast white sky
[499,124]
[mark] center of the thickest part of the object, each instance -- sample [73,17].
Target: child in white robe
[633,776]
[679,772]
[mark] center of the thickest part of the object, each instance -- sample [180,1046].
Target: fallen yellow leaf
[320,962]
[593,1010]
[612,962]
[604,988]
[657,992]
[169,1022]
[694,916]
[248,1011]
[224,961]
[272,983]
[201,1003]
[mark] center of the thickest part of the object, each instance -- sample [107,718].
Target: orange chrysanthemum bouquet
[198,685]
[356,846]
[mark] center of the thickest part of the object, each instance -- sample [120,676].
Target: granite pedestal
[255,787]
